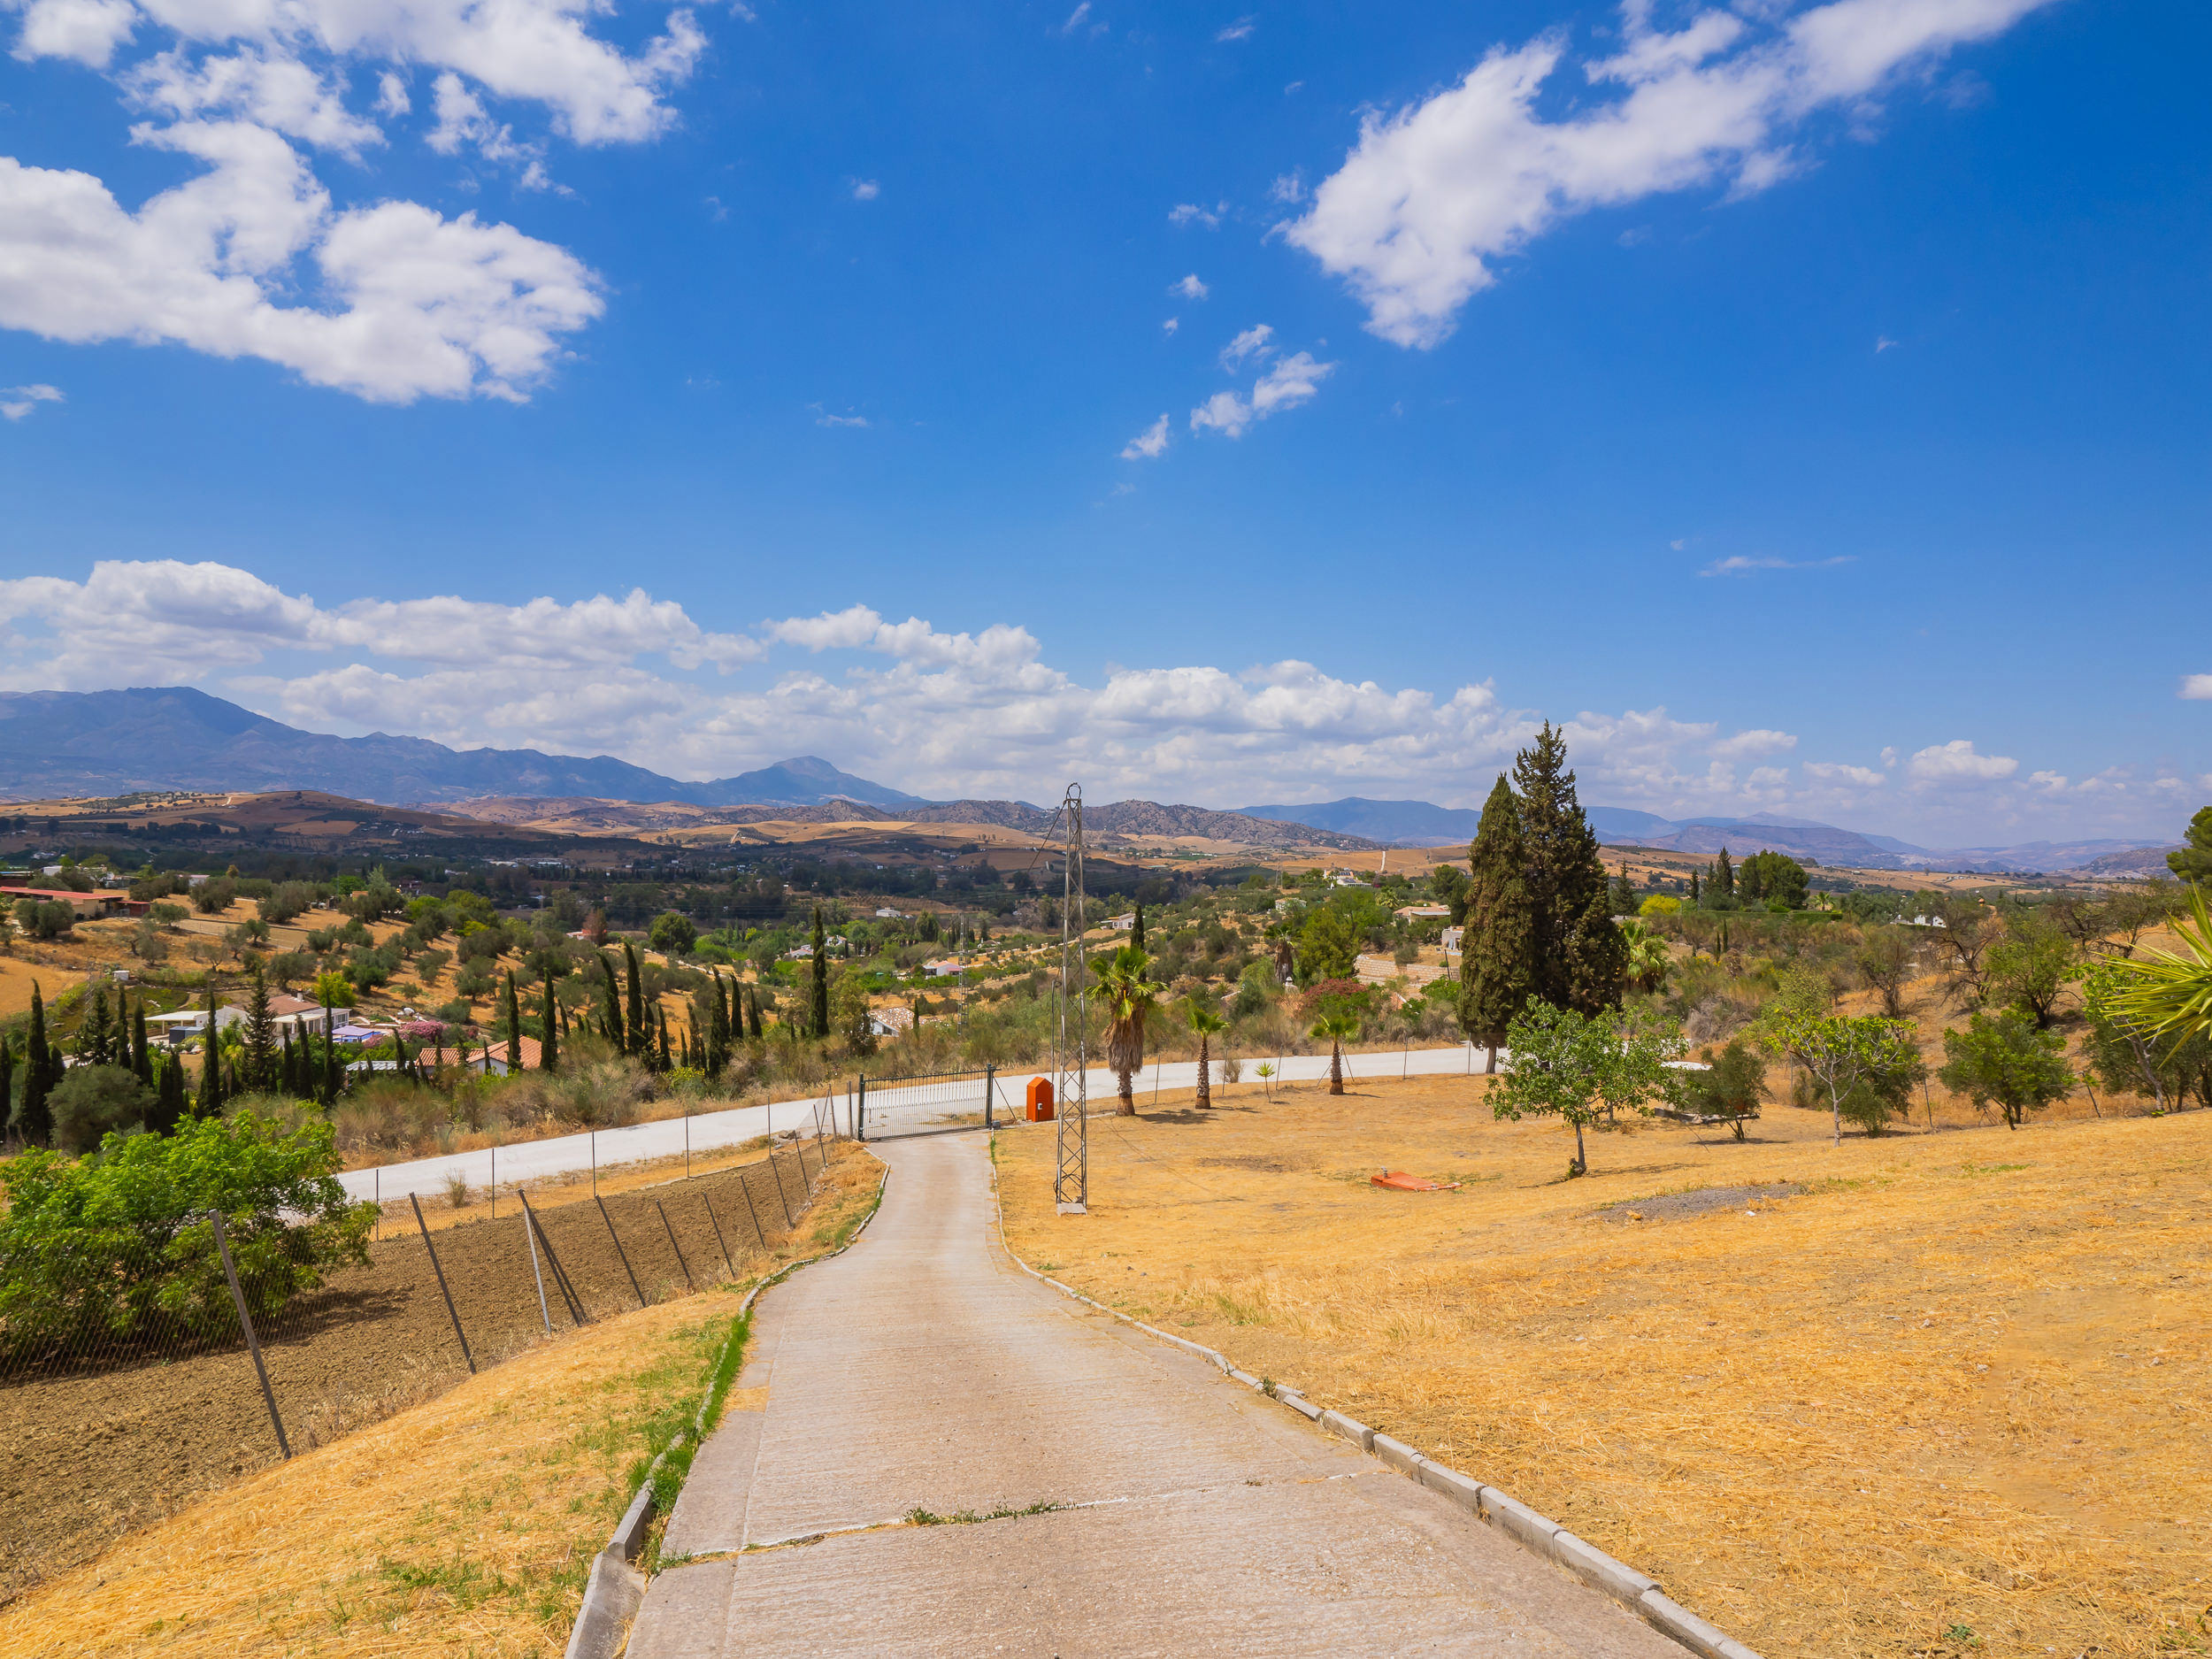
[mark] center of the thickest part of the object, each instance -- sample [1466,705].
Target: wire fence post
[782,1197]
[442,1290]
[689,1283]
[253,1343]
[860,1110]
[529,1237]
[745,1185]
[728,1266]
[990,1085]
[618,1250]
[560,1276]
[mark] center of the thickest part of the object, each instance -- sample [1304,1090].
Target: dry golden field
[1928,1394]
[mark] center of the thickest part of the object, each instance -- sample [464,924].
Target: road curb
[616,1588]
[1537,1533]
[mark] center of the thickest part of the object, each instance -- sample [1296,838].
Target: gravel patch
[1704,1201]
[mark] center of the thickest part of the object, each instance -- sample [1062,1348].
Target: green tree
[1327,949]
[1721,879]
[818,984]
[1497,959]
[1571,1066]
[674,935]
[141,1056]
[1839,1051]
[638,1033]
[210,1101]
[1204,1019]
[93,1101]
[332,989]
[169,1106]
[1624,899]
[2121,1054]
[549,1045]
[854,1019]
[1449,884]
[1136,927]
[1128,996]
[2009,1061]
[1339,1023]
[258,1052]
[1577,957]
[1886,959]
[512,1008]
[42,1066]
[1733,1089]
[1648,958]
[1768,877]
[610,1007]
[2192,861]
[2032,966]
[96,1032]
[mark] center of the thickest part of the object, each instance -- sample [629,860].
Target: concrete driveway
[921,1371]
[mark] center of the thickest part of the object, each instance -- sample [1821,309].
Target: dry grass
[1947,1400]
[464,1525]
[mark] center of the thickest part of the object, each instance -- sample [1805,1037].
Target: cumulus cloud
[1834,772]
[17,401]
[1190,288]
[1435,194]
[1191,213]
[411,303]
[387,299]
[1251,343]
[1957,761]
[1746,745]
[2197,687]
[1148,445]
[866,190]
[1284,386]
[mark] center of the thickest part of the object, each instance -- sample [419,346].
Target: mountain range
[73,744]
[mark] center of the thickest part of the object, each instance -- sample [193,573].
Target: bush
[1660,904]
[122,1244]
[91,1101]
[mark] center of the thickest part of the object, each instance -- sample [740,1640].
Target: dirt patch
[1703,1201]
[89,1455]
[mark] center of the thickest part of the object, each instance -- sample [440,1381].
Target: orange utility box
[1039,1104]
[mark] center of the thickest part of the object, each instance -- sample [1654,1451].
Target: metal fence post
[728,1266]
[560,1276]
[689,1283]
[990,1085]
[618,1250]
[253,1343]
[782,1197]
[860,1110]
[529,1237]
[442,1291]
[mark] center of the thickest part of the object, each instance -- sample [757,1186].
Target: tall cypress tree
[332,1076]
[32,1122]
[818,1001]
[514,1024]
[7,1080]
[168,1108]
[210,1101]
[143,1057]
[288,1069]
[1724,881]
[1693,889]
[549,1045]
[752,997]
[641,1035]
[1136,929]
[258,1053]
[1579,957]
[661,1061]
[611,1005]
[1497,966]
[94,1035]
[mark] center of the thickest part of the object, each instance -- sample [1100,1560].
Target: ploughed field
[88,1454]
[1933,1392]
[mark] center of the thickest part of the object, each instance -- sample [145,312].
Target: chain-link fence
[129,1382]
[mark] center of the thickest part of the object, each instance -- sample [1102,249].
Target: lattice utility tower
[1070,1083]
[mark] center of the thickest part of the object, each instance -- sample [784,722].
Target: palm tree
[1128,998]
[1336,1025]
[1648,960]
[1205,1021]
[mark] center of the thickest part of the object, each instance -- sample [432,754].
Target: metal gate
[930,1102]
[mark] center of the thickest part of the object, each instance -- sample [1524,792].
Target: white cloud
[1240,30]
[83,31]
[411,303]
[1284,386]
[1889,757]
[1190,288]
[1957,761]
[1745,745]
[1434,195]
[866,190]
[823,417]
[1833,772]
[462,121]
[1251,343]
[1191,213]
[275,91]
[1742,565]
[1883,342]
[391,94]
[1288,186]
[1170,325]
[1075,18]
[1148,445]
[2197,687]
[17,401]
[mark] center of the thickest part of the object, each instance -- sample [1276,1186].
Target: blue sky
[1807,403]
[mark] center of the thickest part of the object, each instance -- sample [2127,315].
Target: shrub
[212,898]
[1660,904]
[122,1244]
[91,1101]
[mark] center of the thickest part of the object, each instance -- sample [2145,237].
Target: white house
[1451,938]
[1123,924]
[186,1023]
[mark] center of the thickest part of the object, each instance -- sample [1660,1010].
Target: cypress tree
[1497,967]
[662,1061]
[1579,957]
[32,1122]
[7,1080]
[641,1035]
[514,1025]
[818,1002]
[1136,930]
[168,1108]
[1624,892]
[331,1077]
[1693,889]
[94,1039]
[1723,875]
[258,1053]
[752,996]
[549,1047]
[610,1006]
[143,1057]
[288,1069]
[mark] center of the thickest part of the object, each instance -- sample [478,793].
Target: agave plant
[2163,993]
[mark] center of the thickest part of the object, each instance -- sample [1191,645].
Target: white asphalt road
[529,1161]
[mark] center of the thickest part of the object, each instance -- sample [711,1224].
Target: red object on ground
[1038,1105]
[1399,1181]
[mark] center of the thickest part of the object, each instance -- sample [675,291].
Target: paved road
[922,1371]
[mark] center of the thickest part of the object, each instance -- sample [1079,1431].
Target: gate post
[990,1081]
[860,1110]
